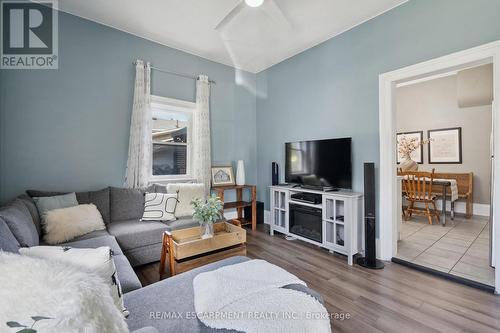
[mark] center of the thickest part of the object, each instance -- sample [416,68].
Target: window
[171,137]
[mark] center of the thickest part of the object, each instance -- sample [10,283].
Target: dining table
[444,184]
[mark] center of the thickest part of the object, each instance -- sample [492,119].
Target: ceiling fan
[270,7]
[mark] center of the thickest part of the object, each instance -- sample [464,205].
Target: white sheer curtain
[140,142]
[201,133]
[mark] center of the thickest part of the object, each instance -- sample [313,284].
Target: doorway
[390,195]
[454,111]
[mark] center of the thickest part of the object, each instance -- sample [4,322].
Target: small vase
[240,173]
[206,230]
[407,164]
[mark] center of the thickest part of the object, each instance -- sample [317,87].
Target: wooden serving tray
[188,243]
[185,243]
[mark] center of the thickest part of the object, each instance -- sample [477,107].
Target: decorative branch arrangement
[408,145]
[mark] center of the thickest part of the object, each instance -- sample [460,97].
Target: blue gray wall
[331,90]
[67,129]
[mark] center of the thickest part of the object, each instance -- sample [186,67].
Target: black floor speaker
[370,258]
[247,212]
[275,173]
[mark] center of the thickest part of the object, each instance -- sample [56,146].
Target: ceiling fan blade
[235,11]
[273,10]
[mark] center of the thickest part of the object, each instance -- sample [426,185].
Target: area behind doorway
[458,100]
[461,250]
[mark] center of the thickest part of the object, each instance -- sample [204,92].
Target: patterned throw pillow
[99,261]
[159,207]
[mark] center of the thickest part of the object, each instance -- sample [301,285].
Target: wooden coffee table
[186,243]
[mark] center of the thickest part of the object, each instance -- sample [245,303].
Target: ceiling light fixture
[254,3]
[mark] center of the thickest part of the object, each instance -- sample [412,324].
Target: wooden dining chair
[417,187]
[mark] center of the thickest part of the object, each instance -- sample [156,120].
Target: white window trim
[171,104]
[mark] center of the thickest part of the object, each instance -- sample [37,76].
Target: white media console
[339,229]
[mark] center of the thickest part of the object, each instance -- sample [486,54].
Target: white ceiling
[255,39]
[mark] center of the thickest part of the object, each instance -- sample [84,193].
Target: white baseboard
[377,248]
[232,214]
[481,209]
[267,216]
[478,209]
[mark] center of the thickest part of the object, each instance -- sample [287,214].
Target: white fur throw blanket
[248,297]
[51,296]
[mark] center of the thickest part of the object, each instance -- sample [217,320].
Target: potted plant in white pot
[207,213]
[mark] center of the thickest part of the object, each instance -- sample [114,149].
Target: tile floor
[460,249]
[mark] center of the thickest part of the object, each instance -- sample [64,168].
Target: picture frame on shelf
[222,176]
[445,145]
[418,154]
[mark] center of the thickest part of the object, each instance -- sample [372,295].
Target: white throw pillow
[73,300]
[99,261]
[159,207]
[186,193]
[63,224]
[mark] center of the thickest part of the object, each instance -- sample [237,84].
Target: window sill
[166,180]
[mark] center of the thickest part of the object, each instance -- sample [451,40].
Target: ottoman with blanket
[169,305]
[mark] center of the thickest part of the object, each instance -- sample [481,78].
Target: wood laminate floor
[395,299]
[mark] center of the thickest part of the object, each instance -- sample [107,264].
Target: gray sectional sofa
[121,210]
[133,243]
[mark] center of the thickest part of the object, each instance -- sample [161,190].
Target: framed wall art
[417,154]
[445,145]
[222,176]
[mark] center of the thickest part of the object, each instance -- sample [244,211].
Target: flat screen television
[319,163]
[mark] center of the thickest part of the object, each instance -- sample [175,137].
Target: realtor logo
[29,35]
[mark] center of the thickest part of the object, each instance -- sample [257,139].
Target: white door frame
[389,212]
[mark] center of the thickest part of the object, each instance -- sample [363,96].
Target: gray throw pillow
[19,220]
[127,203]
[8,242]
[100,198]
[44,204]
[30,204]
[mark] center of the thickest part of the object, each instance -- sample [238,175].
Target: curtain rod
[175,73]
